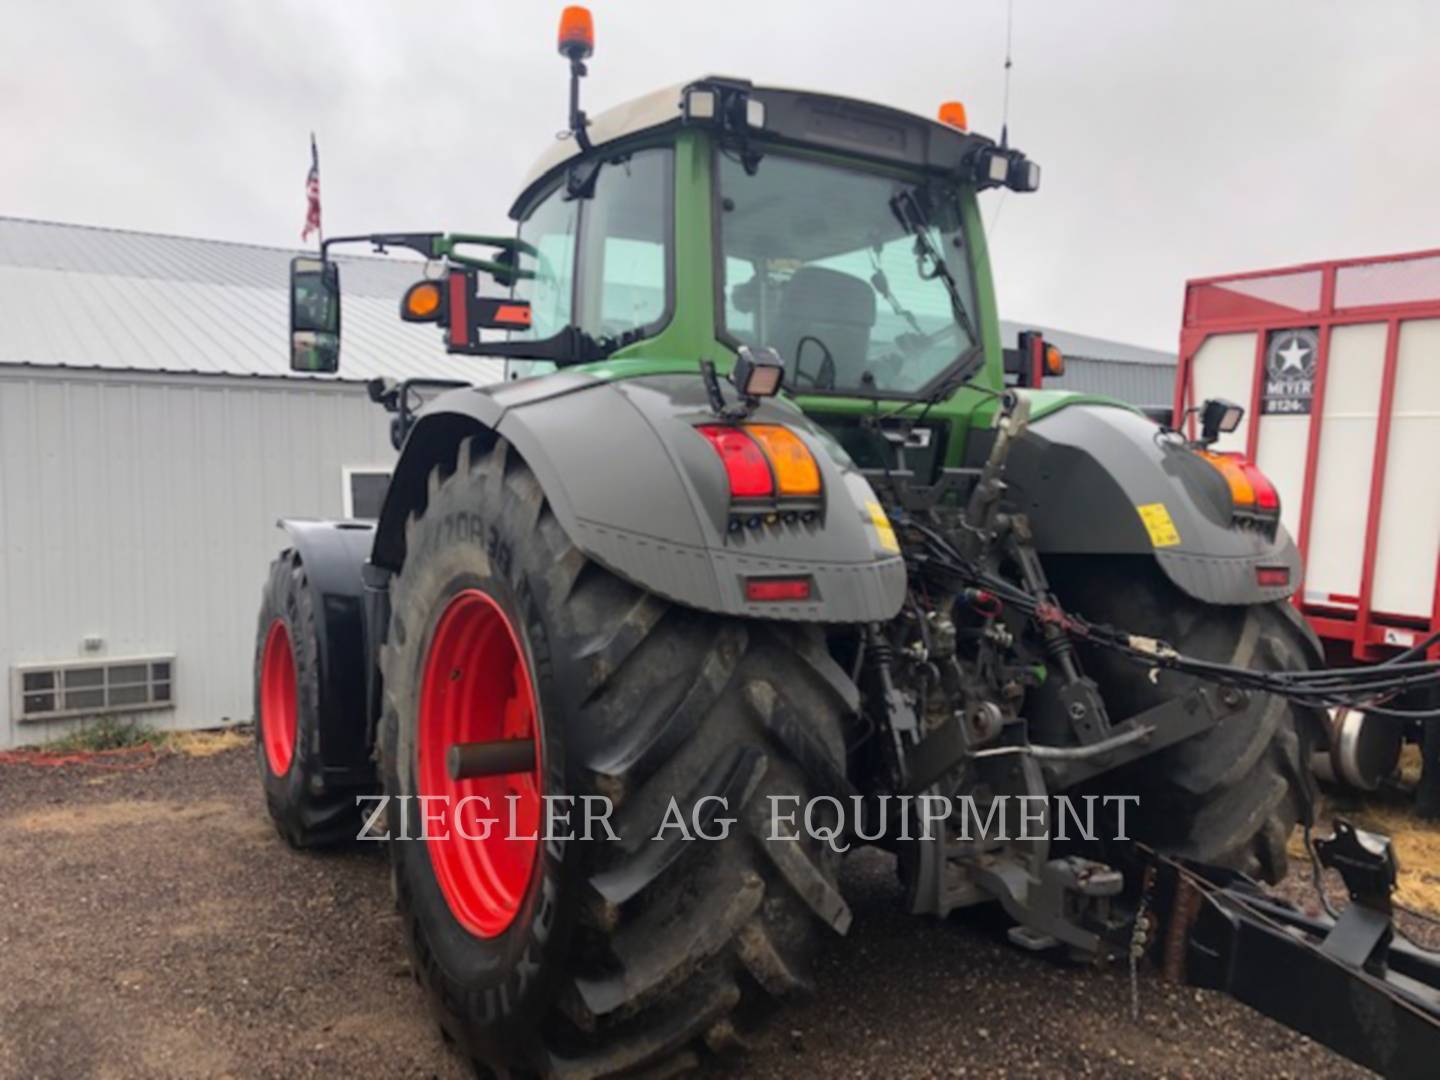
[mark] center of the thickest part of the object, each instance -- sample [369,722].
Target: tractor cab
[718,214]
[861,278]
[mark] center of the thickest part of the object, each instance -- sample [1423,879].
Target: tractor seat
[836,309]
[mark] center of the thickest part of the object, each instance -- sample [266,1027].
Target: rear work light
[764,460]
[1250,489]
[760,590]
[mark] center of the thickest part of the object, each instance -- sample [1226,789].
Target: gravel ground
[157,927]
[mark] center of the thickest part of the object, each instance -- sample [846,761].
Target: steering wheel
[824,378]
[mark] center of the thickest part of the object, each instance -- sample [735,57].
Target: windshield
[860,281]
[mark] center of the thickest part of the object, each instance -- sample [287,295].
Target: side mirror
[314,315]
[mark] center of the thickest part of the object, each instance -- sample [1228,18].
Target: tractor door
[604,261]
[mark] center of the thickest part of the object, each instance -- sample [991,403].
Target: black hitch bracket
[1350,984]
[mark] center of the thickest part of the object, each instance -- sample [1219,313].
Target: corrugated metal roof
[83,297]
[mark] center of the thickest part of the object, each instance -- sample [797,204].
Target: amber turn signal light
[422,302]
[795,470]
[1250,489]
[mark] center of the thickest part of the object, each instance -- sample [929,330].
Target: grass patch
[210,743]
[108,733]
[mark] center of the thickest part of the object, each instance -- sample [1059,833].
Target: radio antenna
[1009,63]
[1004,114]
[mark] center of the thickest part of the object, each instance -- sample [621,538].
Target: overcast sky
[1177,139]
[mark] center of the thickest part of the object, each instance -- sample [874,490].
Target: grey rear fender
[1083,473]
[638,490]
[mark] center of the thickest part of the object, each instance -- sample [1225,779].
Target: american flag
[312,193]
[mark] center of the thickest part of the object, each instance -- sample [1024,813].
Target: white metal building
[1133,373]
[151,434]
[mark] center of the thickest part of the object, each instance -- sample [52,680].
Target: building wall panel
[140,509]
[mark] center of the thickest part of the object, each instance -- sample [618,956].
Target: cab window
[602,264]
[625,238]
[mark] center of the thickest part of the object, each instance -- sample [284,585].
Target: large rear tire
[1232,795]
[306,811]
[607,956]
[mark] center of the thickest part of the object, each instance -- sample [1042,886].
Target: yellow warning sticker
[1159,525]
[882,526]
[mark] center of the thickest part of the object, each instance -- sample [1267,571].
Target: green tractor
[758,554]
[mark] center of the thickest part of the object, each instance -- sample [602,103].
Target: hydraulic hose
[1367,687]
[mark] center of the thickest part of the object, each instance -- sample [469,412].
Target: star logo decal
[1292,357]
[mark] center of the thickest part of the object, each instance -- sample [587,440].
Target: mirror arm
[511,244]
[423,243]
[498,270]
[443,246]
[569,346]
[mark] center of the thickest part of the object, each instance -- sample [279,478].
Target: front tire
[618,954]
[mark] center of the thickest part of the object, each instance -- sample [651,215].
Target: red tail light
[1267,499]
[1250,489]
[745,463]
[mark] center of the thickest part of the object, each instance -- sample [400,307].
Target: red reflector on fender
[1272,577]
[761,589]
[745,464]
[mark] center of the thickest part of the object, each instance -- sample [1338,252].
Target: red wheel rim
[476,688]
[277,699]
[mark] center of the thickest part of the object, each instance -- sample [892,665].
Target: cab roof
[826,121]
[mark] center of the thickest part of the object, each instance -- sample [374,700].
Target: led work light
[758,373]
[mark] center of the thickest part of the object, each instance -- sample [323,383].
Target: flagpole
[319,228]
